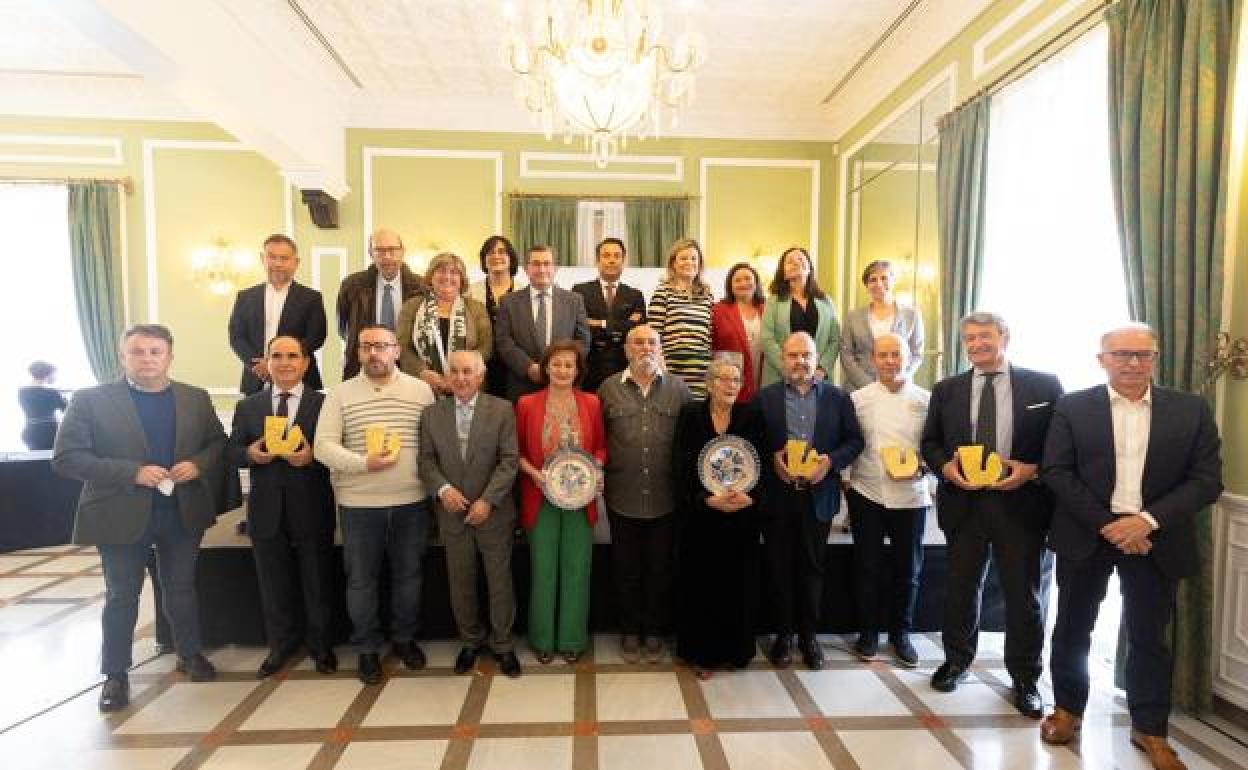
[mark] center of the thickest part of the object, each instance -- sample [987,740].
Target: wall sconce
[1228,356]
[221,269]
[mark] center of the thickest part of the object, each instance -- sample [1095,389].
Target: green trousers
[560,552]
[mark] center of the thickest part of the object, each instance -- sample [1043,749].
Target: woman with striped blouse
[680,311]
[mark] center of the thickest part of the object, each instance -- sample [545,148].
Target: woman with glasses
[501,266]
[434,325]
[883,314]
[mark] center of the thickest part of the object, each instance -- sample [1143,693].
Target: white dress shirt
[292,403]
[274,301]
[889,419]
[1132,423]
[396,295]
[534,292]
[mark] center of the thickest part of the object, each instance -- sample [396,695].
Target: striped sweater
[351,407]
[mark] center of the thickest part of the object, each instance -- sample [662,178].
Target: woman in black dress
[41,402]
[719,538]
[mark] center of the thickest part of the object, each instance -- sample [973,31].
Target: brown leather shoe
[1158,750]
[1059,727]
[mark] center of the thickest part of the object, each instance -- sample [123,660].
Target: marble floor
[601,713]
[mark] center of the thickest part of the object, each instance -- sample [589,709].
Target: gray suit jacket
[488,472]
[515,334]
[857,341]
[101,442]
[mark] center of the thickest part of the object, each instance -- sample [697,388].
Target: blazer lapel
[961,405]
[288,308]
[524,298]
[124,407]
[182,421]
[1156,431]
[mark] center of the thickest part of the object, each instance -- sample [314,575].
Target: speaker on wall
[323,208]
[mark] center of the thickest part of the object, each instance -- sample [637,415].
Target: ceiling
[259,67]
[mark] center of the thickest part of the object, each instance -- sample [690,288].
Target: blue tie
[387,306]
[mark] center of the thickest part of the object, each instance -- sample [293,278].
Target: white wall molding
[813,166]
[981,64]
[1230,675]
[109,149]
[370,153]
[899,165]
[669,168]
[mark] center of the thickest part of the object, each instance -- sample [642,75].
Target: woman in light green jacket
[796,303]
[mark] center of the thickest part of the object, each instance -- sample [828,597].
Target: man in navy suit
[280,305]
[290,512]
[613,308]
[1131,464]
[798,511]
[1006,409]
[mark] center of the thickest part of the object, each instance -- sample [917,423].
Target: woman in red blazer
[737,325]
[560,541]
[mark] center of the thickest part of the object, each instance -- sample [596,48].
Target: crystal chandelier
[220,269]
[597,68]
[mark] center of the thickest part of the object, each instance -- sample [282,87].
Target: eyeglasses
[387,251]
[1126,356]
[377,347]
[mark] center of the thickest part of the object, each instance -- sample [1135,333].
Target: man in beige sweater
[368,436]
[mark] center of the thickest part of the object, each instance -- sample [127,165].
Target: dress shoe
[115,694]
[948,677]
[903,651]
[465,660]
[1028,701]
[370,668]
[781,652]
[543,656]
[630,648]
[812,653]
[1059,728]
[508,663]
[1158,749]
[410,653]
[867,647]
[571,657]
[196,667]
[653,649]
[274,662]
[326,662]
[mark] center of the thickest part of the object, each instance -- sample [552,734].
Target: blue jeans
[124,567]
[400,532]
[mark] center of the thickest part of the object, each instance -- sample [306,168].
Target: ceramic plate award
[571,478]
[726,463]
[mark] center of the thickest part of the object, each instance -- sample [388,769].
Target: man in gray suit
[468,459]
[150,453]
[531,318]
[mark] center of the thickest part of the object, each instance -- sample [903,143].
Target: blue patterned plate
[726,463]
[571,478]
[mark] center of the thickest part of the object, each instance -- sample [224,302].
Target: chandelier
[220,269]
[597,68]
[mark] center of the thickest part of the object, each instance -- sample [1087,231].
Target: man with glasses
[381,501]
[374,295]
[1131,464]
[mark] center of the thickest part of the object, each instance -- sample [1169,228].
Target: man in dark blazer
[468,460]
[149,452]
[374,295]
[613,309]
[798,511]
[519,339]
[290,512]
[1006,519]
[1131,465]
[280,305]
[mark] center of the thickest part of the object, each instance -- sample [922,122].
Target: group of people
[455,396]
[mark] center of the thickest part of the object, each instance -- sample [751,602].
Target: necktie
[542,342]
[986,423]
[283,404]
[610,295]
[387,306]
[463,425]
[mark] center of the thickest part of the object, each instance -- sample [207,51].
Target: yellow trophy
[380,442]
[900,462]
[976,469]
[800,460]
[277,441]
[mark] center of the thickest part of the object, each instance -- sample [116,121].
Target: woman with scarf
[434,325]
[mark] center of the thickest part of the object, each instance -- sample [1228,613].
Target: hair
[512,259]
[41,370]
[563,346]
[605,241]
[719,363]
[757,299]
[901,343]
[155,331]
[699,286]
[380,229]
[371,327]
[280,238]
[476,354]
[303,346]
[875,266]
[1132,326]
[780,287]
[984,318]
[528,253]
[442,259]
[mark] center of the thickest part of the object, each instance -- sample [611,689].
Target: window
[37,305]
[596,220]
[1052,265]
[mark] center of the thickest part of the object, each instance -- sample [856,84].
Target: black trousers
[794,545]
[1147,602]
[996,529]
[295,587]
[870,522]
[642,560]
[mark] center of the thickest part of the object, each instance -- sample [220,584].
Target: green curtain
[95,255]
[549,221]
[653,226]
[961,177]
[1169,79]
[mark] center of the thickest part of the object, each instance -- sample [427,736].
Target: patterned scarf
[427,336]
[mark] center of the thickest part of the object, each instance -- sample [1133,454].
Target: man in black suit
[280,305]
[290,511]
[1131,465]
[613,309]
[1006,409]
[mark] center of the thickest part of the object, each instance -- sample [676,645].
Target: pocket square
[1040,405]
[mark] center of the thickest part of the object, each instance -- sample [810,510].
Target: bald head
[386,249]
[889,356]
